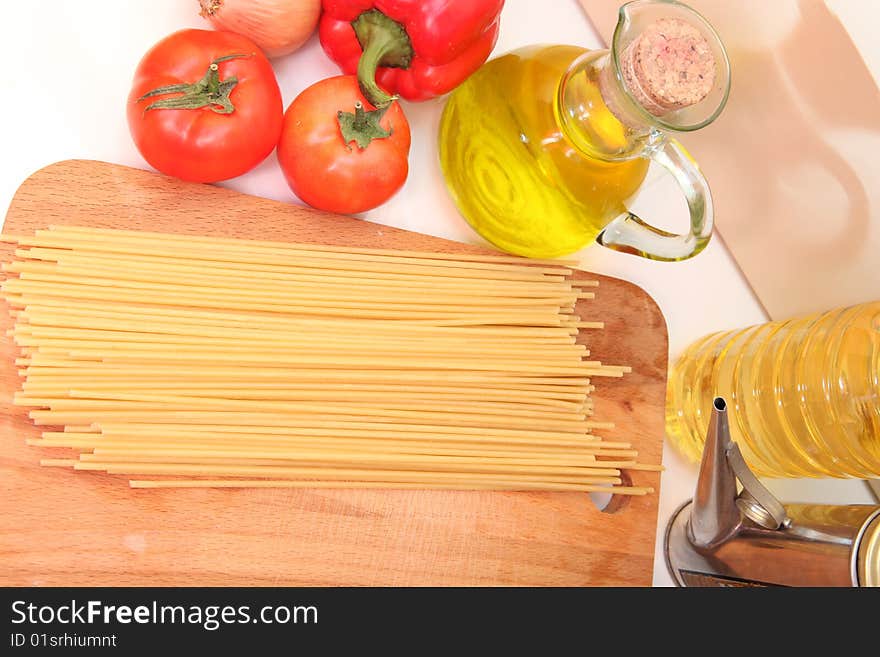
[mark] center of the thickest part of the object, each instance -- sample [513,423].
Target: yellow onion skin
[278,26]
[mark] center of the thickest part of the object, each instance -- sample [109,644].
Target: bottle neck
[598,116]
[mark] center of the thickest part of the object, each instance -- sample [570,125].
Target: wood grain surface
[58,527]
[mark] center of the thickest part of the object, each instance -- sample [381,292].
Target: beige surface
[792,161]
[64,528]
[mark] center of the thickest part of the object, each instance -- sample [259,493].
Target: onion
[277,26]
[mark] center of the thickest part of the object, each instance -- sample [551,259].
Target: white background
[63,91]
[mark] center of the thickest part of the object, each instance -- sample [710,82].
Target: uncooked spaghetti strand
[280,272]
[474,379]
[304,419]
[500,272]
[138,269]
[538,409]
[343,438]
[175,320]
[182,320]
[295,251]
[90,338]
[566,360]
[452,435]
[239,389]
[133,358]
[194,239]
[39,325]
[561,355]
[461,485]
[509,400]
[543,315]
[302,457]
[428,408]
[299,380]
[246,443]
[37,336]
[592,474]
[187,386]
[299,472]
[211,421]
[349,297]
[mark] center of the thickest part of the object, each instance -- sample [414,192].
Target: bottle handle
[628,233]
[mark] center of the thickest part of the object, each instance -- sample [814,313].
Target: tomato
[345,174]
[212,109]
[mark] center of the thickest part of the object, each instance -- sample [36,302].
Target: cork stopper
[669,66]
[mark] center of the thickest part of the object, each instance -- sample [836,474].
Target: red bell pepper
[417,49]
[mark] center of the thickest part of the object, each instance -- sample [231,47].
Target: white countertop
[64,97]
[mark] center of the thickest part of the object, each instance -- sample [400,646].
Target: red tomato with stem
[338,152]
[205,106]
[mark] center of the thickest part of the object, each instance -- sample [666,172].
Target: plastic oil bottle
[804,393]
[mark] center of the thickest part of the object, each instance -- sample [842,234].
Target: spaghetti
[187,361]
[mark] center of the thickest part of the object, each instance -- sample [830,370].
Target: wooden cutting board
[64,528]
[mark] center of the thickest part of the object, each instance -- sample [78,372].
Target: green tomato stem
[362,127]
[210,91]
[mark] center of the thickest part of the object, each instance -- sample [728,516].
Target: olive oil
[526,152]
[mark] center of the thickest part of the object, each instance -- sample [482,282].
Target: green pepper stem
[384,42]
